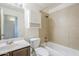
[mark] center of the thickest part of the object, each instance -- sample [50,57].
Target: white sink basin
[3,47]
[7,44]
[3,44]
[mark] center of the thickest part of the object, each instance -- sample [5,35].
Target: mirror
[10,27]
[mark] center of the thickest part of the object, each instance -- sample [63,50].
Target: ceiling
[45,7]
[42,6]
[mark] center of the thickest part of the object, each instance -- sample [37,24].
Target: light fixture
[11,19]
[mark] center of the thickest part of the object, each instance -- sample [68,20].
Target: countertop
[14,46]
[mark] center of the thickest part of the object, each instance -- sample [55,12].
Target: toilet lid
[41,51]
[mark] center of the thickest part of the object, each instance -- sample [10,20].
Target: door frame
[2,23]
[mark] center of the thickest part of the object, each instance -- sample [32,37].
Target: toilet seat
[41,51]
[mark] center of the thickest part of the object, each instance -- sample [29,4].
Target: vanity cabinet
[19,47]
[7,54]
[21,52]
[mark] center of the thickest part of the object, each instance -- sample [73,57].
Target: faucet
[10,41]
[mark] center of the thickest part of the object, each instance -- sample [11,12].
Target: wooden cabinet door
[7,54]
[21,52]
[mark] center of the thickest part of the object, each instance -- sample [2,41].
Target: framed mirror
[8,26]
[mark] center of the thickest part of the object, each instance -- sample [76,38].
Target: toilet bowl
[40,51]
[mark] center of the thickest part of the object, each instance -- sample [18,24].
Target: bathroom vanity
[17,48]
[11,28]
[19,52]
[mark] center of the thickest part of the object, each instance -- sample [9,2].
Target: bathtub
[60,50]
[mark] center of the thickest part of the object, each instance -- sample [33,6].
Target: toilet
[40,51]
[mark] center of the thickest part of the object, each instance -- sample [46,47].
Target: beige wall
[64,26]
[31,33]
[43,32]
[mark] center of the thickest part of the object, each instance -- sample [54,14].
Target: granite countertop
[14,46]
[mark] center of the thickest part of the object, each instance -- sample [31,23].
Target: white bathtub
[59,50]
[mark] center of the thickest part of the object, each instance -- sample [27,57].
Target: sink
[3,48]
[3,44]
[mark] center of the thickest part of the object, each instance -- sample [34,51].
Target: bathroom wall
[32,33]
[64,26]
[43,31]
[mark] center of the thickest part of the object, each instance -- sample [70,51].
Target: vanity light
[11,19]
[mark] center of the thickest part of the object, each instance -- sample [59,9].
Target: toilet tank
[35,42]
